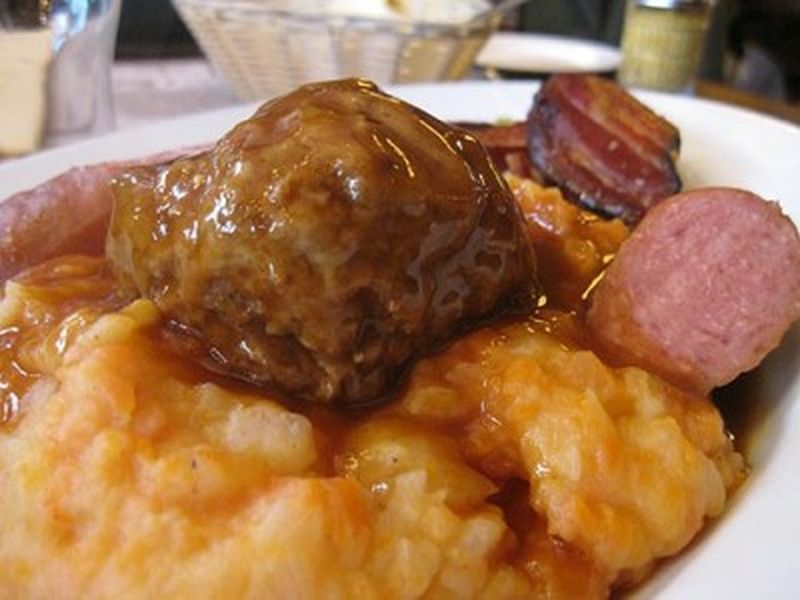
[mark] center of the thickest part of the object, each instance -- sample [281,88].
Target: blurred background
[748,53]
[751,44]
[751,50]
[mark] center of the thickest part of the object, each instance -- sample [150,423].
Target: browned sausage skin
[703,289]
[507,145]
[324,242]
[68,214]
[606,150]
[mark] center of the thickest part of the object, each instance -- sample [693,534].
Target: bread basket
[268,47]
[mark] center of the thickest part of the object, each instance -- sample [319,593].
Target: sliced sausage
[67,214]
[507,145]
[703,289]
[606,150]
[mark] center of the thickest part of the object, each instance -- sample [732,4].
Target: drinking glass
[55,70]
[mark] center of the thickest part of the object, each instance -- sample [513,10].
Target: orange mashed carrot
[512,464]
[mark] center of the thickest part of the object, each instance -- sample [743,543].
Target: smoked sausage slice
[703,289]
[65,215]
[606,150]
[507,145]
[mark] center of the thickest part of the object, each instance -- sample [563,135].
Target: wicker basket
[268,47]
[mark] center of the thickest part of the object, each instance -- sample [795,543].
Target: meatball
[325,242]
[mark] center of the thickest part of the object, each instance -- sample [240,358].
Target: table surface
[730,95]
[151,90]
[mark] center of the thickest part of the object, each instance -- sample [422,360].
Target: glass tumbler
[55,71]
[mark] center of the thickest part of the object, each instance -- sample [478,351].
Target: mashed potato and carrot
[513,464]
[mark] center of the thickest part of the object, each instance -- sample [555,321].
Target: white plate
[539,53]
[754,550]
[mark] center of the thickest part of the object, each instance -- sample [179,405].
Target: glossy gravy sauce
[53,302]
[572,247]
[64,296]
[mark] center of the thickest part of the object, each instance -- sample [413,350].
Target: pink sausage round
[705,287]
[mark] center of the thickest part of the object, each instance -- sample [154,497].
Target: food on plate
[67,214]
[29,221]
[705,287]
[573,246]
[601,146]
[324,242]
[511,462]
[507,144]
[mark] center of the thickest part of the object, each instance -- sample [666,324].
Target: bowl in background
[527,55]
[268,47]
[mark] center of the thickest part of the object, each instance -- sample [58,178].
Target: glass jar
[662,43]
